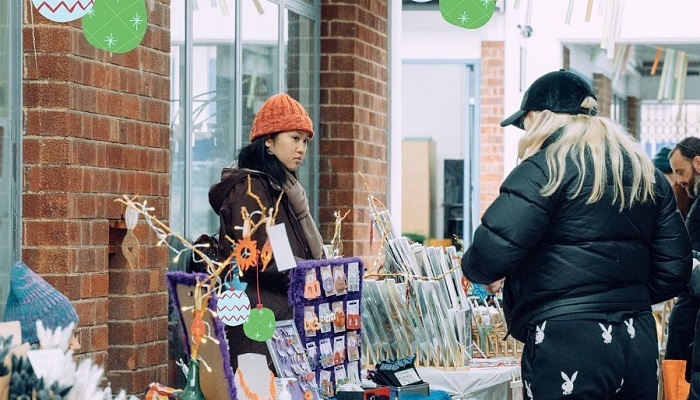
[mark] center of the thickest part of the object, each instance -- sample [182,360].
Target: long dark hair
[254,156]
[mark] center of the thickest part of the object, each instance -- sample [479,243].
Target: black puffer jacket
[562,256]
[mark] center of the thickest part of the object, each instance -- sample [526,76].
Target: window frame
[300,7]
[14,31]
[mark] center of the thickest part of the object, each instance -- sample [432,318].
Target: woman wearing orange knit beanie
[279,139]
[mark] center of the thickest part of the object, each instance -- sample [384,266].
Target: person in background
[32,299]
[681,321]
[662,162]
[587,235]
[684,327]
[279,139]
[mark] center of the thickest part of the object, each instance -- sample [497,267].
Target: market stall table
[476,383]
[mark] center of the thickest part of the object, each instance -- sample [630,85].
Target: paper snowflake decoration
[136,20]
[110,40]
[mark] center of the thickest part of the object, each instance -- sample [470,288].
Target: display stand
[328,318]
[290,360]
[217,384]
[483,383]
[257,379]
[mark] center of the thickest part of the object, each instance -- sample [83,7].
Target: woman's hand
[494,287]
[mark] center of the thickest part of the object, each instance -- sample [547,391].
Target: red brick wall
[633,116]
[603,89]
[96,127]
[492,113]
[354,108]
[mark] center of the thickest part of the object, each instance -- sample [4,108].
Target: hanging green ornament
[468,14]
[260,325]
[192,389]
[116,26]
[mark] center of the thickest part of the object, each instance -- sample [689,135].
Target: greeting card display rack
[327,295]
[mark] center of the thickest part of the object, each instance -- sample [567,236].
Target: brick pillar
[354,107]
[603,89]
[96,127]
[492,113]
[633,116]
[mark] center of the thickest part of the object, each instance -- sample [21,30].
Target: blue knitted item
[31,299]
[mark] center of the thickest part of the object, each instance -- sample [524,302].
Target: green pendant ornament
[260,325]
[467,14]
[192,389]
[116,26]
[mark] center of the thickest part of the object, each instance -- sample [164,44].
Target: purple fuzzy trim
[190,279]
[297,282]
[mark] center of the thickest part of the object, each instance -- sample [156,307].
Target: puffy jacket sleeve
[670,252]
[513,224]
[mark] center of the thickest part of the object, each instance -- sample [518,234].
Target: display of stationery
[326,295]
[417,305]
[290,359]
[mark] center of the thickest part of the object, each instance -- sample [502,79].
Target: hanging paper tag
[281,248]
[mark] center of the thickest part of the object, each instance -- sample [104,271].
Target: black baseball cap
[559,91]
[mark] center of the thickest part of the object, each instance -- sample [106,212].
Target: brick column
[492,113]
[603,89]
[354,107]
[633,116]
[96,127]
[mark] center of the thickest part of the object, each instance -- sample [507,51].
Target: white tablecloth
[488,383]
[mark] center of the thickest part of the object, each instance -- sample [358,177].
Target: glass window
[10,102]
[213,107]
[260,63]
[227,58]
[299,63]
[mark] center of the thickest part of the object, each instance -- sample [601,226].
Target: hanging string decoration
[467,14]
[63,10]
[233,307]
[130,244]
[337,241]
[260,326]
[116,26]
[200,331]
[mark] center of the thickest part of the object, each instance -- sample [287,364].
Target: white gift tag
[407,377]
[281,247]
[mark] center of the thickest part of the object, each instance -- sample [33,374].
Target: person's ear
[696,163]
[268,142]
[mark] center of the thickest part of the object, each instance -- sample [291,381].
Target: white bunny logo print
[528,391]
[568,385]
[539,336]
[621,383]
[630,327]
[607,333]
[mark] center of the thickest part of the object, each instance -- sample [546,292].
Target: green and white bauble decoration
[116,26]
[467,14]
[260,325]
[63,10]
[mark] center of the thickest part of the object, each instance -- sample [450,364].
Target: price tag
[284,258]
[407,377]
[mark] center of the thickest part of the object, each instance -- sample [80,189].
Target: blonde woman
[587,235]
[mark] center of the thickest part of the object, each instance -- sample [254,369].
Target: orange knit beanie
[281,113]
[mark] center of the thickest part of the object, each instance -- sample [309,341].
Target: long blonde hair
[598,136]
